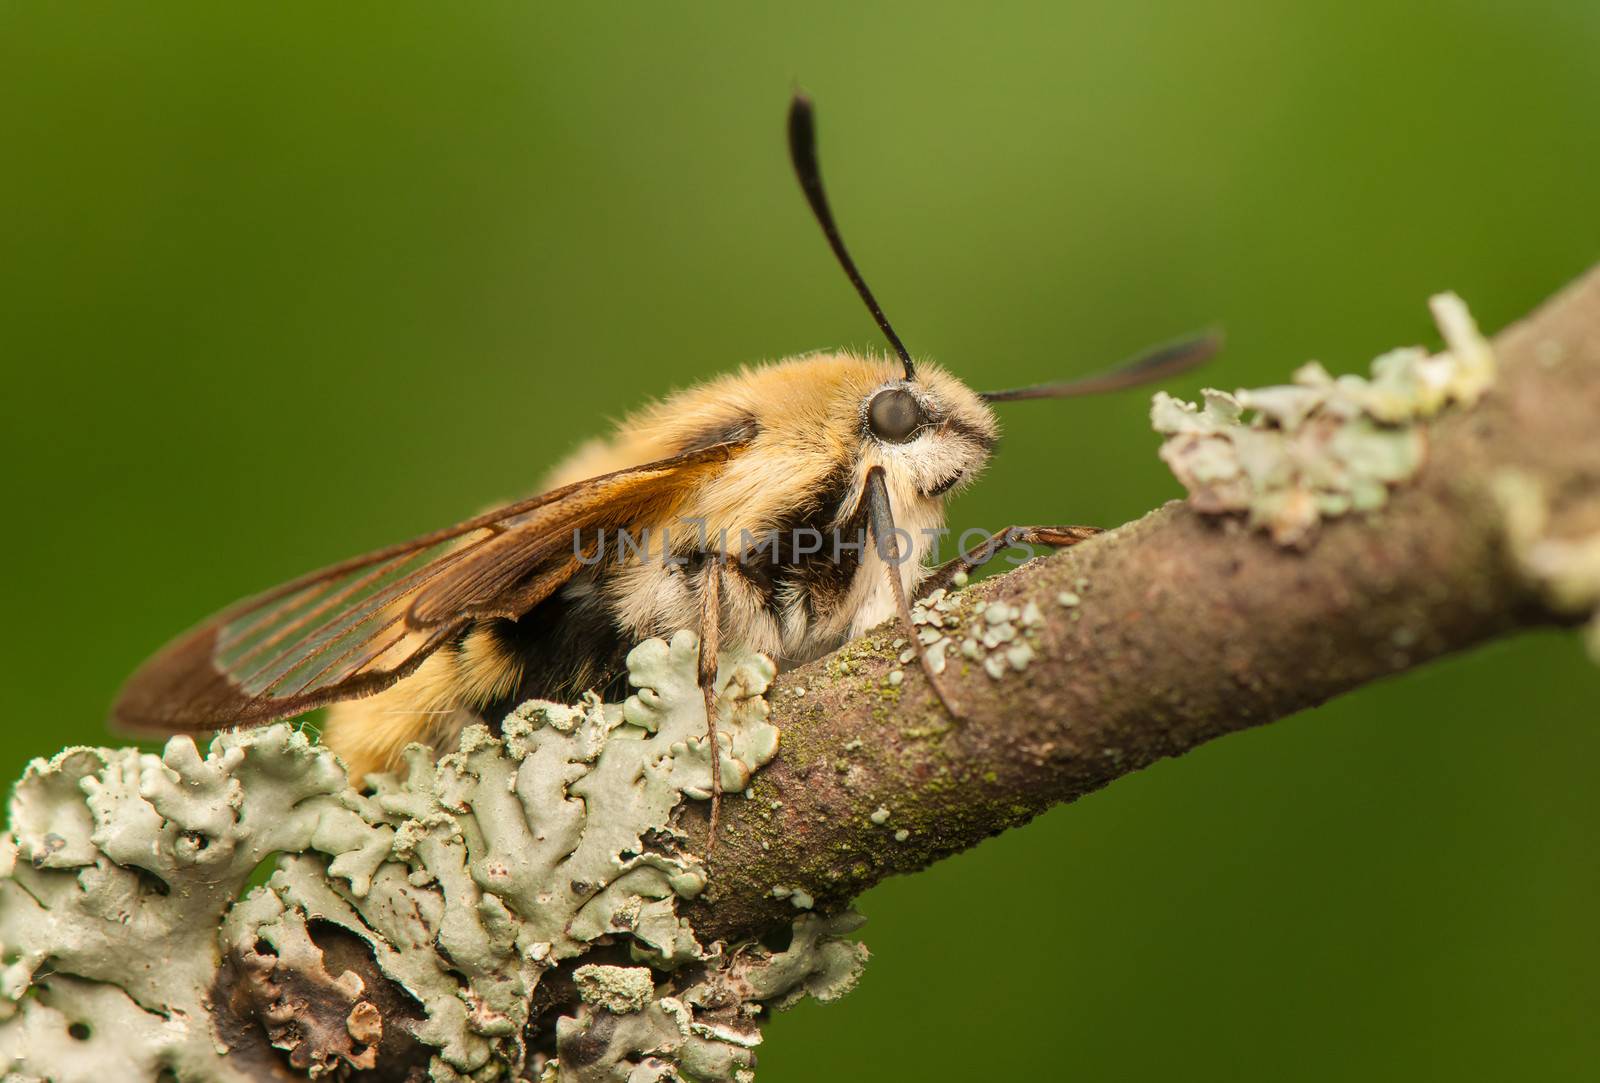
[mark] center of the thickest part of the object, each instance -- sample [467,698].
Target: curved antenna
[1155,364]
[803,151]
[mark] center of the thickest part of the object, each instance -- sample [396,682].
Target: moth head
[932,433]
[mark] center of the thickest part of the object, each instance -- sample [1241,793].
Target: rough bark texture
[1189,627]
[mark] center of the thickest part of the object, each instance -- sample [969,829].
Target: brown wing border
[185,688]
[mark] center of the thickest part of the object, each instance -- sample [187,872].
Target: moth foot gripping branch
[510,910]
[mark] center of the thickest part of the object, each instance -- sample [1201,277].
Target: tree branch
[1189,627]
[534,902]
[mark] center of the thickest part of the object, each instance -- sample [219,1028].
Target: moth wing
[359,626]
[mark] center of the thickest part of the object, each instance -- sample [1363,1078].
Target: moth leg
[880,518]
[976,557]
[710,644]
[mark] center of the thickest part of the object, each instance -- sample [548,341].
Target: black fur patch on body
[566,647]
[570,643]
[779,567]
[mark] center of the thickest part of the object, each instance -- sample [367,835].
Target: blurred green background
[282,283]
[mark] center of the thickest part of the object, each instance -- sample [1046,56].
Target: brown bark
[1190,627]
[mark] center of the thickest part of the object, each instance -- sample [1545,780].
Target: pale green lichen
[1000,636]
[468,879]
[617,989]
[798,897]
[1323,446]
[1565,571]
[707,1032]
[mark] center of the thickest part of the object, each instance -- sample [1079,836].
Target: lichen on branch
[1321,447]
[535,899]
[1188,624]
[510,907]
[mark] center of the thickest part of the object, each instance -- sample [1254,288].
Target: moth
[784,508]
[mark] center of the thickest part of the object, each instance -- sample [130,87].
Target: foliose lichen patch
[467,880]
[1323,446]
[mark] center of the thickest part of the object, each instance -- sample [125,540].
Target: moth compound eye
[894,415]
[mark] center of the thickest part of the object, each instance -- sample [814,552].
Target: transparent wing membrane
[299,642]
[357,627]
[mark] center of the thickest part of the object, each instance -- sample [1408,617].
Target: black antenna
[803,150]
